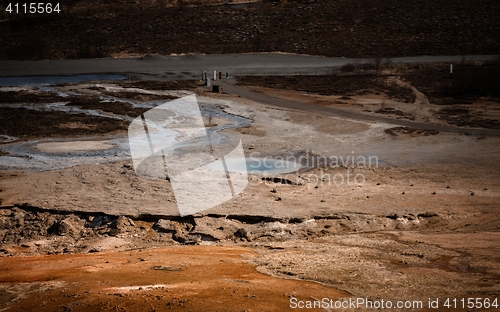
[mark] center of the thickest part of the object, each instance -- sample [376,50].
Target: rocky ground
[419,222]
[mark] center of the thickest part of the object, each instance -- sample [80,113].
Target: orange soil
[190,278]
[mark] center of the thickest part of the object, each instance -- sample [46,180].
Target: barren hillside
[368,28]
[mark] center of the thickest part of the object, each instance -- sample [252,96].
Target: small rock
[66,227]
[164,226]
[242,232]
[122,223]
[274,190]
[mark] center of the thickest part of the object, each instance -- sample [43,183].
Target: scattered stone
[165,226]
[121,225]
[278,180]
[214,229]
[427,215]
[274,190]
[242,233]
[70,226]
[433,193]
[278,199]
[393,216]
[166,268]
[101,221]
[186,230]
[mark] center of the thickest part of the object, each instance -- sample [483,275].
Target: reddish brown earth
[197,278]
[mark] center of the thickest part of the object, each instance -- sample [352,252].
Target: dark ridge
[248,219]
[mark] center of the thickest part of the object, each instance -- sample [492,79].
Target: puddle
[55,80]
[57,91]
[270,166]
[49,154]
[35,156]
[214,110]
[44,155]
[261,166]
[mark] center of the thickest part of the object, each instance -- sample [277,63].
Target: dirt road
[229,87]
[194,63]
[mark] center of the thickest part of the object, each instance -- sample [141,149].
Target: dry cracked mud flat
[379,211]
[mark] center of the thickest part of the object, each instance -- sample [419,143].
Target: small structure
[216,89]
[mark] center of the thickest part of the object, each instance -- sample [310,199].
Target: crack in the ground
[22,223]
